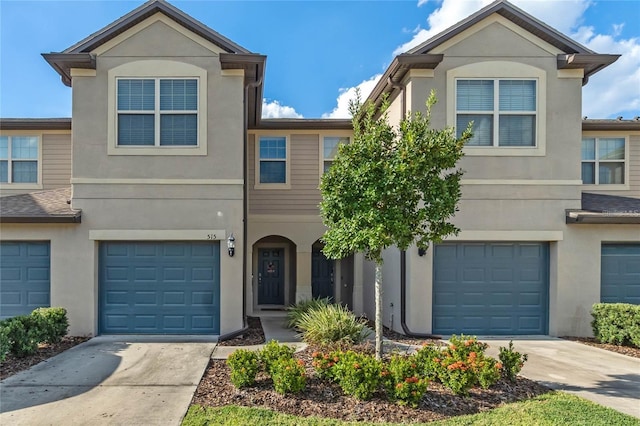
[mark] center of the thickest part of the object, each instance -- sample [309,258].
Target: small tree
[390,187]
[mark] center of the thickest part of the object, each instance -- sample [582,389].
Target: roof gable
[145,11]
[513,14]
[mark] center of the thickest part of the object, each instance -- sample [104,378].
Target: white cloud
[273,109]
[616,89]
[346,94]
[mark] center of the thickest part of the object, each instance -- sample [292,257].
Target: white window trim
[609,187]
[156,69]
[157,112]
[321,147]
[30,185]
[502,70]
[287,160]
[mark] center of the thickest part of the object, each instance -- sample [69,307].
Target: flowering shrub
[512,362]
[428,359]
[358,374]
[244,366]
[324,364]
[288,375]
[274,351]
[403,381]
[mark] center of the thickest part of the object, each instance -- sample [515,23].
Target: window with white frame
[603,161]
[18,159]
[503,111]
[273,159]
[330,146]
[157,112]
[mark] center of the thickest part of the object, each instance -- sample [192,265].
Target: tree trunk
[378,290]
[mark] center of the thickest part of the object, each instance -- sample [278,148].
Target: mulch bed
[324,399]
[13,365]
[624,350]
[253,336]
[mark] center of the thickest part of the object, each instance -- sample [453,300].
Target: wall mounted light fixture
[422,252]
[231,245]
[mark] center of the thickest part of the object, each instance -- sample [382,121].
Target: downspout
[245,210]
[403,253]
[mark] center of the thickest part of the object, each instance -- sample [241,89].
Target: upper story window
[19,159]
[503,111]
[272,160]
[157,107]
[330,146]
[603,161]
[157,112]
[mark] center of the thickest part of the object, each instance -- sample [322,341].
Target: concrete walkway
[109,380]
[604,377]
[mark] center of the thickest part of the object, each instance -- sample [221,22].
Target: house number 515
[212,237]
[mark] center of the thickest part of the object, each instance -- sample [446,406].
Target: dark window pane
[4,171]
[474,95]
[611,149]
[136,129]
[588,173]
[482,128]
[179,129]
[179,95]
[611,173]
[517,95]
[273,172]
[517,130]
[24,172]
[273,147]
[588,149]
[136,95]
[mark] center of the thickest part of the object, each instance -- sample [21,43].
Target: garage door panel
[24,277]
[620,276]
[507,294]
[160,288]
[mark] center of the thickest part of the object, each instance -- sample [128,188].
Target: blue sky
[318,51]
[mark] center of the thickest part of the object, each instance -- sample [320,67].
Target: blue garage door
[491,288]
[620,280]
[159,287]
[24,277]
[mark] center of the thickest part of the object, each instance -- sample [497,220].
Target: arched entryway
[274,272]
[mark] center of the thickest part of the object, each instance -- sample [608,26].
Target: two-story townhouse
[171,159]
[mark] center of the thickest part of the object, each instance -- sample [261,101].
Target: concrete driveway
[605,377]
[109,380]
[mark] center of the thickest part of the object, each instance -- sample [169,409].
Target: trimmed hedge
[21,334]
[616,323]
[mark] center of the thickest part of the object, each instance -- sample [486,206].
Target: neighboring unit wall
[631,187]
[54,168]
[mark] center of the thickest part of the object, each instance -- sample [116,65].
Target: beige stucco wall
[186,197]
[73,273]
[518,196]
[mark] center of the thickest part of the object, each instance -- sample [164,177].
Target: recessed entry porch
[284,273]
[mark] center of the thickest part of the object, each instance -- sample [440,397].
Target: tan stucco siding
[56,161]
[303,196]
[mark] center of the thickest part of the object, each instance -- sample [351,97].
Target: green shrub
[428,359]
[23,334]
[244,367]
[52,323]
[5,343]
[512,362]
[616,323]
[402,379]
[464,365]
[324,364]
[272,352]
[294,312]
[330,324]
[358,374]
[288,375]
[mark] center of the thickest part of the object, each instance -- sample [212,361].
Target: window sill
[20,186]
[155,150]
[606,187]
[272,186]
[496,151]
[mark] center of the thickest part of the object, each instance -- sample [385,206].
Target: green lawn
[554,408]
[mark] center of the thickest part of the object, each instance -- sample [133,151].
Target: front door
[321,275]
[271,276]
